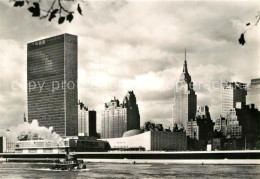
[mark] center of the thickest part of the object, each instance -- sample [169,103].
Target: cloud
[13,83]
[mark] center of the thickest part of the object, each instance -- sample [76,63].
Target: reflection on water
[116,170]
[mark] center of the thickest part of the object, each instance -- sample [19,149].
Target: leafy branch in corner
[56,8]
[242,40]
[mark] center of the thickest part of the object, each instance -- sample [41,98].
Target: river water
[117,170]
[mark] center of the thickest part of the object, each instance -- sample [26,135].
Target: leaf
[21,3]
[35,10]
[53,14]
[79,9]
[31,9]
[248,24]
[241,40]
[69,17]
[18,3]
[61,20]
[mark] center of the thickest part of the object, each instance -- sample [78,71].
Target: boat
[71,162]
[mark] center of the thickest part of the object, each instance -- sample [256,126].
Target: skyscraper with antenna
[184,99]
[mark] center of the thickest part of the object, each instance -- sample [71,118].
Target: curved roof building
[132,133]
[150,141]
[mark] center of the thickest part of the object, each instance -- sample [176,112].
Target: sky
[139,46]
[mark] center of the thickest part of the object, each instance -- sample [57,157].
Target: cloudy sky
[130,45]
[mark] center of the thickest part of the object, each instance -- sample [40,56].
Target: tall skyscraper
[86,121]
[118,118]
[231,93]
[52,90]
[184,100]
[253,93]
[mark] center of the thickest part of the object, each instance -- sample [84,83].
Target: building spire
[185,54]
[185,68]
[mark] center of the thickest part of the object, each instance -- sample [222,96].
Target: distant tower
[86,121]
[231,93]
[133,116]
[184,100]
[24,118]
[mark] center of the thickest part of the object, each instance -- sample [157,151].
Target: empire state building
[184,100]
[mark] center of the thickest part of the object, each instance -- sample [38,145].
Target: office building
[221,125]
[184,100]
[6,145]
[233,128]
[231,93]
[241,122]
[253,93]
[86,121]
[201,128]
[248,117]
[52,91]
[118,118]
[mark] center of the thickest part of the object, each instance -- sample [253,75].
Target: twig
[61,7]
[49,11]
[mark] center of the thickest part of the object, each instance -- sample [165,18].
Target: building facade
[231,93]
[132,112]
[234,129]
[52,92]
[118,118]
[221,125]
[253,93]
[88,144]
[201,128]
[86,121]
[241,122]
[6,145]
[150,141]
[184,100]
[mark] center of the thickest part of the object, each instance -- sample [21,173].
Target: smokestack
[24,118]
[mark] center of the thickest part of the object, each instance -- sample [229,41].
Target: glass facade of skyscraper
[52,91]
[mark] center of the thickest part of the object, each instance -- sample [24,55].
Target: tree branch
[48,11]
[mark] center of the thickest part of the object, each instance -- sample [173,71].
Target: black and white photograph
[129,89]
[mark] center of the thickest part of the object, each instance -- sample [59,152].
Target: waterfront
[118,170]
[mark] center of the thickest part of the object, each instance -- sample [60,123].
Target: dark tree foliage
[241,39]
[56,9]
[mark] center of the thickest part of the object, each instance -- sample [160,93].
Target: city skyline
[149,70]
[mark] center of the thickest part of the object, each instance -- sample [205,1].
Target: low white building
[43,146]
[150,141]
